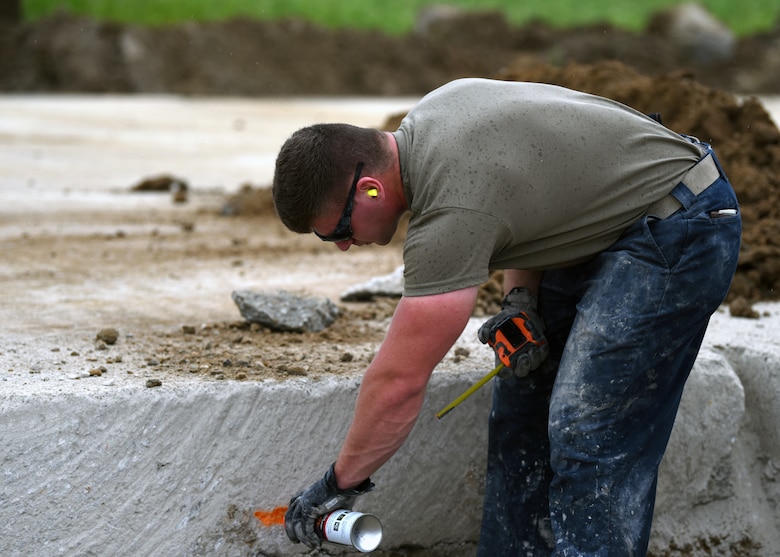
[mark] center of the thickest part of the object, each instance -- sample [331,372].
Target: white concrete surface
[60,148]
[107,468]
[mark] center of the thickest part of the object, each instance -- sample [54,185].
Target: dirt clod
[740,307]
[108,335]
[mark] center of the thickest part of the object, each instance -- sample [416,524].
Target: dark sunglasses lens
[335,236]
[344,227]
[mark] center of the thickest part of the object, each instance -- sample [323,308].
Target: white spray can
[360,530]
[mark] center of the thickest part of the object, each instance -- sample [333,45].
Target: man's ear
[370,186]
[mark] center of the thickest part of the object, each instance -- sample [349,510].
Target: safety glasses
[343,230]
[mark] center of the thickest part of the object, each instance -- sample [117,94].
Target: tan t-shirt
[511,175]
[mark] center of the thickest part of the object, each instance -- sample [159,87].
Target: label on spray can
[360,530]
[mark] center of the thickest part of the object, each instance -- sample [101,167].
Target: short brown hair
[316,163]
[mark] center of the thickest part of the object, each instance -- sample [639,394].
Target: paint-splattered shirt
[511,175]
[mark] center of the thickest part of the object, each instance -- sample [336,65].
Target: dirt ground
[194,340]
[243,58]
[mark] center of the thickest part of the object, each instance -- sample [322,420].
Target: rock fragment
[390,285]
[165,183]
[282,311]
[740,307]
[697,33]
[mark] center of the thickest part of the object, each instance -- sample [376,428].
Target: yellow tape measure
[470,391]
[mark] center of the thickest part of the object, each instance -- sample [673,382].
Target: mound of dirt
[290,57]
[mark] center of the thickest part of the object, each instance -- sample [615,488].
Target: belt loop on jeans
[703,174]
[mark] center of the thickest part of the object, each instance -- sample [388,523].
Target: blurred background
[407,47]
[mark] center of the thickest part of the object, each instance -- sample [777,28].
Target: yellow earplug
[372,192]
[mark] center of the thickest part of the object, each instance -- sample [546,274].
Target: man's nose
[345,245]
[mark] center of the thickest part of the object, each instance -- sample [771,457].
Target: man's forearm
[422,331]
[385,413]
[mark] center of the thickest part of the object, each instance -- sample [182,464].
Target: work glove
[516,334]
[318,499]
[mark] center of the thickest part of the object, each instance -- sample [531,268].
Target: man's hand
[318,499]
[516,333]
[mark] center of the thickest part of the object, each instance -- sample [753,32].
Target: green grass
[397,16]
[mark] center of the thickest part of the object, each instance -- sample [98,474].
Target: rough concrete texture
[718,492]
[114,469]
[104,469]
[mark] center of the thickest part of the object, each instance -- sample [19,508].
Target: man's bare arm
[422,330]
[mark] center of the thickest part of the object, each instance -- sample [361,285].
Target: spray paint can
[360,530]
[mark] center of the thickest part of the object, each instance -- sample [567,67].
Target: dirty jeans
[574,447]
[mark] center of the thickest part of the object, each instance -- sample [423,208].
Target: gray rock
[702,38]
[281,311]
[430,16]
[391,285]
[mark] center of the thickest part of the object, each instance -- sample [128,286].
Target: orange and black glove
[516,333]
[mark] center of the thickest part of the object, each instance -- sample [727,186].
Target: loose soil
[246,58]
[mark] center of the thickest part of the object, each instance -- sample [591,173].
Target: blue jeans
[574,447]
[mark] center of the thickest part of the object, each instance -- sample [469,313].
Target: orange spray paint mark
[271,518]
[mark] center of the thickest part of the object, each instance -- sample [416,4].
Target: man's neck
[392,178]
